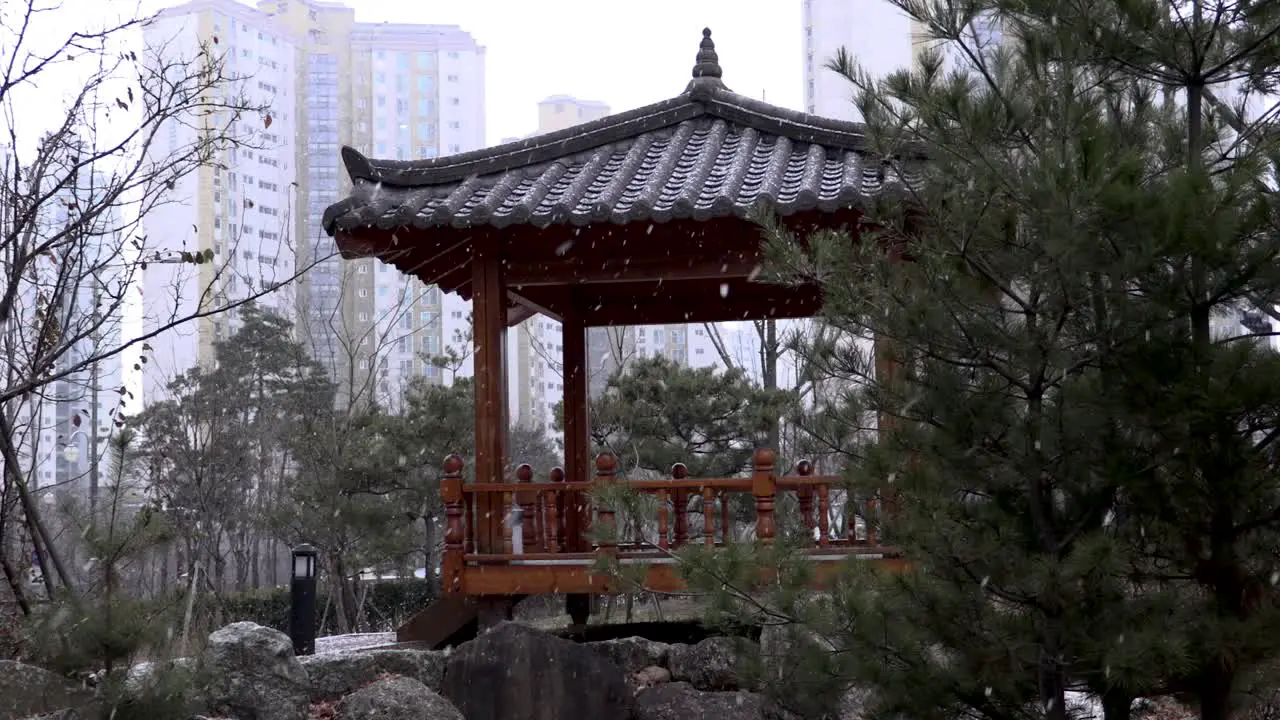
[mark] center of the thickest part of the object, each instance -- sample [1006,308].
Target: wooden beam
[500,578]
[489,304]
[517,314]
[523,302]
[622,267]
[681,302]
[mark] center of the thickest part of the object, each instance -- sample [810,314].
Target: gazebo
[644,217]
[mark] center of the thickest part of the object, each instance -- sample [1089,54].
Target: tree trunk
[45,551]
[255,562]
[15,583]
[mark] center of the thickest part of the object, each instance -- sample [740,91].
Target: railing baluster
[606,467]
[708,516]
[555,511]
[469,511]
[804,494]
[526,500]
[764,487]
[663,512]
[452,564]
[680,503]
[873,535]
[850,517]
[725,526]
[506,504]
[824,515]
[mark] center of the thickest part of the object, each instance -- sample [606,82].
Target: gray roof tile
[708,153]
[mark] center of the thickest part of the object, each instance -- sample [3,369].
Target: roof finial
[708,62]
[706,70]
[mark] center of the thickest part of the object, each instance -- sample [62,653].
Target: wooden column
[577,446]
[488,335]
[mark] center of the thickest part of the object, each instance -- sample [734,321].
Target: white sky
[625,54]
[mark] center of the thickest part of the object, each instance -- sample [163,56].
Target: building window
[452,78]
[364,317]
[364,292]
[455,101]
[362,268]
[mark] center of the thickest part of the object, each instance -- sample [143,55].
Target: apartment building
[62,432]
[241,207]
[878,35]
[390,90]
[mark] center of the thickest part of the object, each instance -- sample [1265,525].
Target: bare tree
[78,182]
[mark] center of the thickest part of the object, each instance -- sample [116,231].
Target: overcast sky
[621,53]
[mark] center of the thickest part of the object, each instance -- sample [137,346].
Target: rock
[710,665]
[27,690]
[650,676]
[254,675]
[633,654]
[514,672]
[336,674]
[682,701]
[397,698]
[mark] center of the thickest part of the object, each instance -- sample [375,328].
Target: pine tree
[1076,449]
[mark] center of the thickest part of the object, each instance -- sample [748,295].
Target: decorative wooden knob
[606,463]
[557,474]
[764,458]
[524,473]
[453,464]
[679,471]
[804,468]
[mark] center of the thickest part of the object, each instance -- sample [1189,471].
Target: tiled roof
[705,154]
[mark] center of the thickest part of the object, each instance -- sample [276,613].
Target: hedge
[388,605]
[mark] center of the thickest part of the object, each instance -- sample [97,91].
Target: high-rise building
[61,433]
[390,90]
[240,207]
[878,35]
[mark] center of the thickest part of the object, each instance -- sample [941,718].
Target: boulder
[712,664]
[397,698]
[513,672]
[254,675]
[334,675]
[682,701]
[634,654]
[27,690]
[650,676]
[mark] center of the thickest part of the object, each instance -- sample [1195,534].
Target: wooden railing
[552,520]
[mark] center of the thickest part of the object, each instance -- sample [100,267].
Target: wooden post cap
[557,474]
[606,463]
[524,473]
[453,464]
[679,471]
[764,458]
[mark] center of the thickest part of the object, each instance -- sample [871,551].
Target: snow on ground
[355,641]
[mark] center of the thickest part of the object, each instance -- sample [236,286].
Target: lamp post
[302,596]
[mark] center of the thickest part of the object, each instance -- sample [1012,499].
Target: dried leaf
[266,121]
[75,420]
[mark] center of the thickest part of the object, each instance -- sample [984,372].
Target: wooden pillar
[577,445]
[489,301]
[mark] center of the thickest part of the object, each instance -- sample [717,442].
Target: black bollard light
[302,596]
